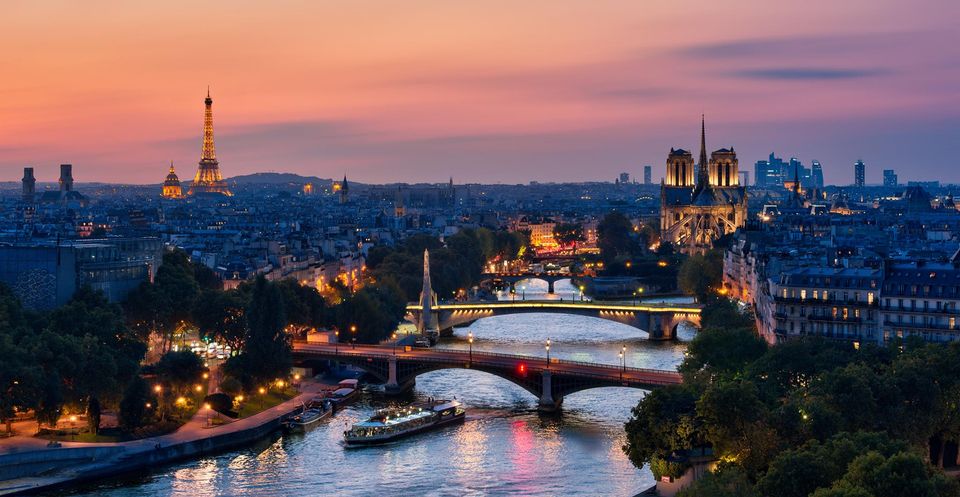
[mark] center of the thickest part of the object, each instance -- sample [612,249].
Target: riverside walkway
[74,462]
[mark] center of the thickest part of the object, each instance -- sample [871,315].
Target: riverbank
[26,467]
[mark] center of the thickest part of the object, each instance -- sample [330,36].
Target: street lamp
[263,392]
[621,362]
[581,293]
[394,336]
[353,336]
[523,293]
[548,353]
[470,345]
[336,342]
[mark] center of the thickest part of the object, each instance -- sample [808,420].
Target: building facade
[859,174]
[695,212]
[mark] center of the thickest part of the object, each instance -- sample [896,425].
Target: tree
[221,316]
[662,423]
[726,481]
[904,473]
[701,276]
[266,350]
[374,311]
[721,352]
[133,407]
[568,233]
[180,370]
[103,354]
[614,237]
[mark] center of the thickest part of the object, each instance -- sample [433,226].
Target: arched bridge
[512,279]
[658,320]
[550,383]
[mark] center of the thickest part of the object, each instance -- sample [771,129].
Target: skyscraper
[208,179]
[647,175]
[889,177]
[859,173]
[816,174]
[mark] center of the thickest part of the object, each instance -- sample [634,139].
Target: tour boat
[391,424]
[310,417]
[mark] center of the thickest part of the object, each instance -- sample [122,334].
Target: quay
[28,467]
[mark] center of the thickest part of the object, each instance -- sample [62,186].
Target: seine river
[504,448]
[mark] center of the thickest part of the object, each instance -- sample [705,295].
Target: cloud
[808,73]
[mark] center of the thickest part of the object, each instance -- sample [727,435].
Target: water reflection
[504,447]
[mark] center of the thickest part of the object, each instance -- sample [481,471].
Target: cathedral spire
[703,177]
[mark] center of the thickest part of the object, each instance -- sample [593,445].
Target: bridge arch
[658,321]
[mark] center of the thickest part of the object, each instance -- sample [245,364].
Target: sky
[482,91]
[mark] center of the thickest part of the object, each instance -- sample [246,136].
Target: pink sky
[491,91]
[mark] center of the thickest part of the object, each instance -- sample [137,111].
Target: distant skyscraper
[859,173]
[29,185]
[624,177]
[771,172]
[816,173]
[208,179]
[889,177]
[647,175]
[171,185]
[744,178]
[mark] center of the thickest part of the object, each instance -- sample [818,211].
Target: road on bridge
[627,376]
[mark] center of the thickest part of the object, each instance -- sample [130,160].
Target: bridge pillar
[548,403]
[550,286]
[393,385]
[661,327]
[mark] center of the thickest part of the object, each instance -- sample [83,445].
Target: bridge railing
[460,355]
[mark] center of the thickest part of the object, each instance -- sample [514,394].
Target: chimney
[66,177]
[29,185]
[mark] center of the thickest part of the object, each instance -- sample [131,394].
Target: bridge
[512,279]
[550,382]
[658,320]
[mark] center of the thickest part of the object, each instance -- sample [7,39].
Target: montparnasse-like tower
[208,179]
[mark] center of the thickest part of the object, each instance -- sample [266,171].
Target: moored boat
[347,391]
[310,417]
[391,424]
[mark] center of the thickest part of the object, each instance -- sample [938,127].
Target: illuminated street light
[548,353]
[470,345]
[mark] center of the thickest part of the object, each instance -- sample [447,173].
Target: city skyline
[577,93]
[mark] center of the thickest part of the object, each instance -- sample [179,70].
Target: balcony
[920,326]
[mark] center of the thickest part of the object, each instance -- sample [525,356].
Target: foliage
[374,312]
[221,315]
[266,350]
[615,238]
[702,275]
[133,407]
[568,233]
[808,417]
[180,370]
[727,481]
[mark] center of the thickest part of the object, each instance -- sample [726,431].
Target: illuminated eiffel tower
[208,179]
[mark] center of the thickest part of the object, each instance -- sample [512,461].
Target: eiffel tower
[208,180]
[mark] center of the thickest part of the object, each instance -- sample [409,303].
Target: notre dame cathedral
[694,213]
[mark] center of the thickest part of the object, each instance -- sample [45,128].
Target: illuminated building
[208,180]
[171,185]
[694,214]
[308,189]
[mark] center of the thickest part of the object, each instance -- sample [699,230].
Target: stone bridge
[658,320]
[550,382]
[511,279]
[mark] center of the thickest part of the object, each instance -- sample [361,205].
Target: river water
[504,448]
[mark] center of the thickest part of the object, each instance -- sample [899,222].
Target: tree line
[803,418]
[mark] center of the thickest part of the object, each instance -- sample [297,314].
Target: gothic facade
[700,204]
